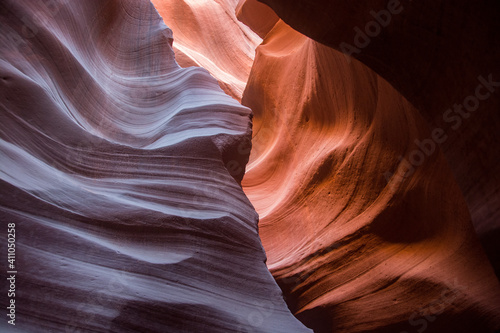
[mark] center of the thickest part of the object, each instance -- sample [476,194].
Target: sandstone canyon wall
[436,54]
[359,239]
[114,169]
[122,170]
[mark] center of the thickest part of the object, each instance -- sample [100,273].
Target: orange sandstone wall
[362,230]
[208,34]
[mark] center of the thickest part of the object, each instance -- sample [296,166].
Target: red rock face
[257,16]
[120,172]
[436,54]
[363,223]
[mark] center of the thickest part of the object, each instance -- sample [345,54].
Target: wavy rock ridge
[121,171]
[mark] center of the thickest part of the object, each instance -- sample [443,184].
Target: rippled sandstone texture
[353,251]
[115,167]
[433,53]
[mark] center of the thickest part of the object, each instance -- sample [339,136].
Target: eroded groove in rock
[113,171]
[357,243]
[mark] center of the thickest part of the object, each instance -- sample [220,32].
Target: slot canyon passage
[245,166]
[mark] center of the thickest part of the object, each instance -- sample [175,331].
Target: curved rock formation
[437,54]
[120,171]
[363,223]
[208,34]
